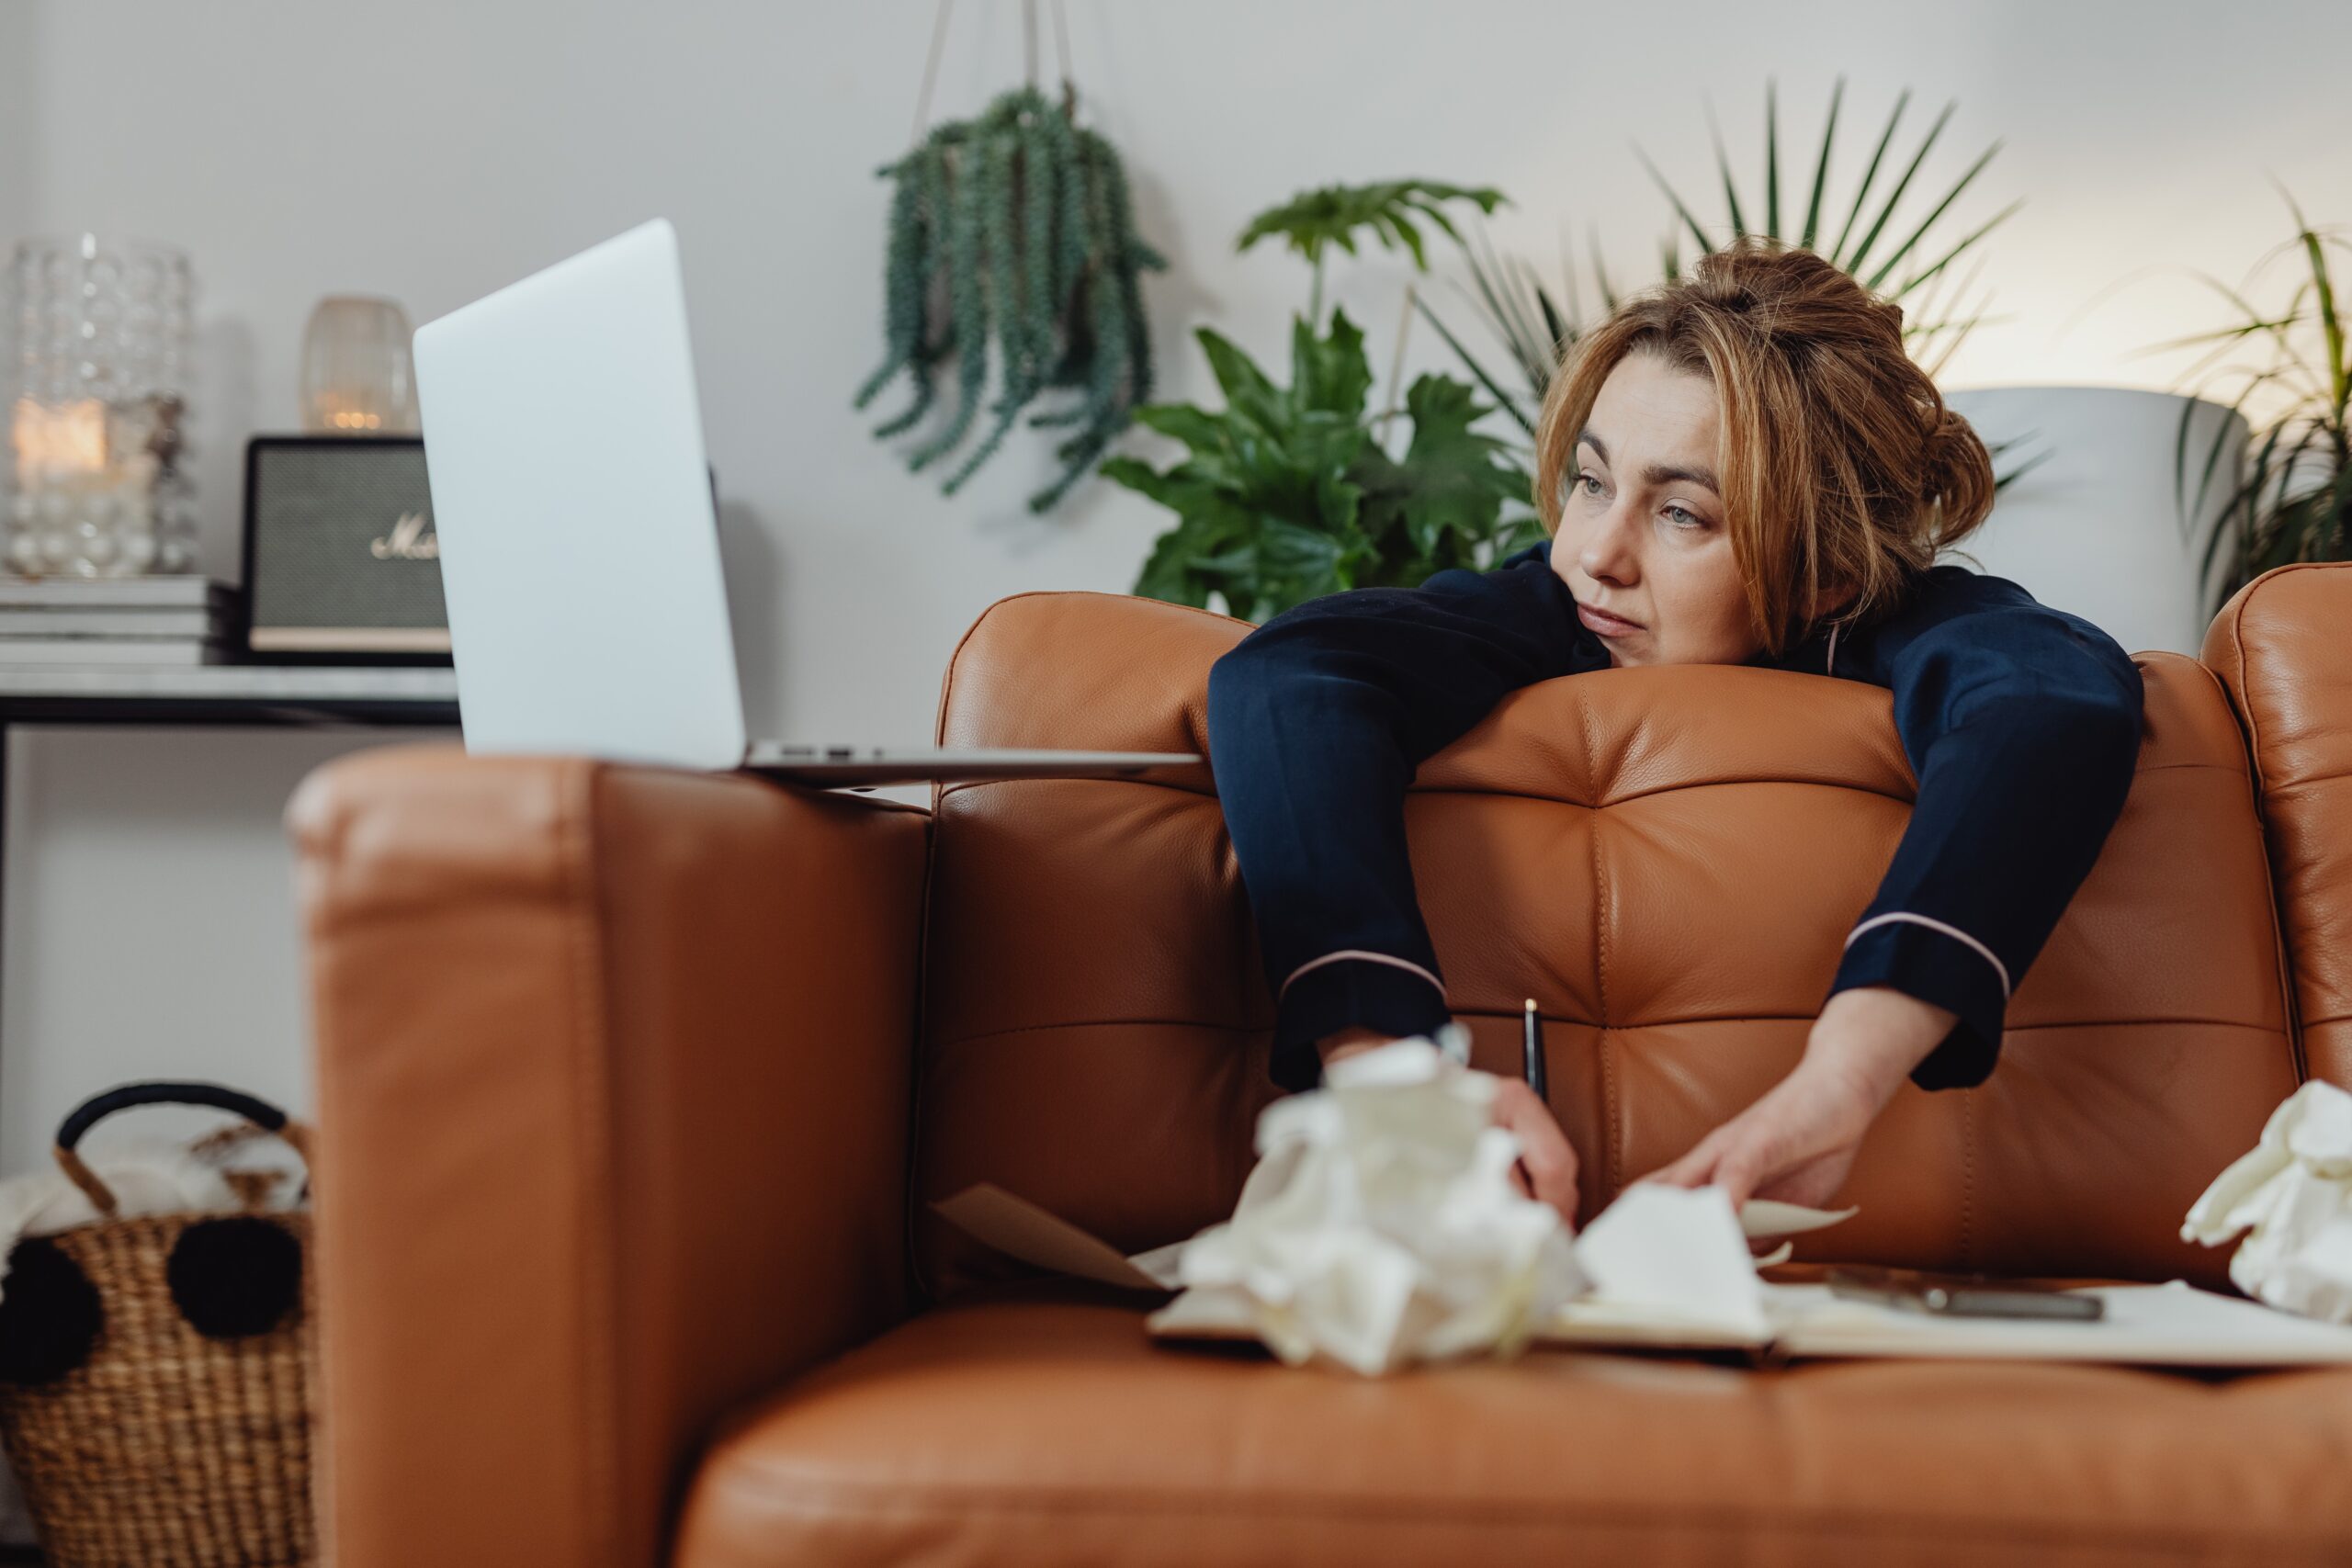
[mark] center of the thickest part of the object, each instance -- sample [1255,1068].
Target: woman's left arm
[2022,725]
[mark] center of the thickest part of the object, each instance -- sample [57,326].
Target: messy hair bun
[1955,476]
[1845,473]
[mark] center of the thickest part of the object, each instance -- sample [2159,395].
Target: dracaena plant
[2291,370]
[1287,493]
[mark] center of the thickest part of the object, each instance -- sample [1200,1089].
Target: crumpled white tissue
[2293,1194]
[1380,1225]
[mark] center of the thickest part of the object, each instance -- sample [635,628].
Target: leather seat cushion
[1040,1425]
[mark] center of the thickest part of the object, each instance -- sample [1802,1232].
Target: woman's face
[1642,533]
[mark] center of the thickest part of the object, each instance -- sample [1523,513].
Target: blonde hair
[1842,468]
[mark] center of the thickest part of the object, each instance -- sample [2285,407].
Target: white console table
[219,695]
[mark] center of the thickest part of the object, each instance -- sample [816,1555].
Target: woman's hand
[1546,1170]
[1798,1142]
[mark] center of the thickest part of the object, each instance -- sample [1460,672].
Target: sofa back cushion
[1668,860]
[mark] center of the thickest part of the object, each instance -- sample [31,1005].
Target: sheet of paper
[1768,1219]
[1019,1228]
[1676,1256]
[2169,1324]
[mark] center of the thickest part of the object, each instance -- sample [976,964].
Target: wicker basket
[167,1447]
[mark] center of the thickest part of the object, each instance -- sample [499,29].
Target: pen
[1533,1038]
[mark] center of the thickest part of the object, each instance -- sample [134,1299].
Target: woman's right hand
[1546,1170]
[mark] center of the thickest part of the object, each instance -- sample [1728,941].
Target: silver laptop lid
[579,551]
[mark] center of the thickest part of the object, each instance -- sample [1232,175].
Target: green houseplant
[1890,232]
[1011,237]
[2292,501]
[1287,493]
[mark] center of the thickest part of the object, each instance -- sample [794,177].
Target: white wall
[433,150]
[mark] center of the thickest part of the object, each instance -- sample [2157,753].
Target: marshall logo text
[411,539]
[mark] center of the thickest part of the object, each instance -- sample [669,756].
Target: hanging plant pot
[1012,236]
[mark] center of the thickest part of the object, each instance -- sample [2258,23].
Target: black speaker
[341,561]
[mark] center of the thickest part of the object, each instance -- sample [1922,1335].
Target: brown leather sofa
[635,1086]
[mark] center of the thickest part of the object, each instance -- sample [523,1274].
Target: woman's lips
[1605,625]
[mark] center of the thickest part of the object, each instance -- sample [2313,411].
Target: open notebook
[2169,1324]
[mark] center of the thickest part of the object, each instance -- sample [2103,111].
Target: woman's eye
[1684,517]
[1591,484]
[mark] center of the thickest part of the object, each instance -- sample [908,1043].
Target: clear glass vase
[358,378]
[100,336]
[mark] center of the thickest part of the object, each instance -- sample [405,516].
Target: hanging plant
[1011,237]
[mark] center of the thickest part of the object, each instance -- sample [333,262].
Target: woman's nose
[1608,550]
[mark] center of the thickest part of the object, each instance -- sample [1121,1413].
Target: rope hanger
[1028,58]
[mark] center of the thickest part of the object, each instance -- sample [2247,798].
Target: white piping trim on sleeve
[1998,967]
[1368,957]
[1829,665]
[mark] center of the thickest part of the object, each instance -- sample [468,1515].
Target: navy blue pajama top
[2021,724]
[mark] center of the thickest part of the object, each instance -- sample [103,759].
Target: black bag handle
[82,1117]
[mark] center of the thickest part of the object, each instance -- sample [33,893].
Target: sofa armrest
[613,1076]
[2277,647]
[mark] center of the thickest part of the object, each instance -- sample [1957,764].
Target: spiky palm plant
[2292,502]
[1877,239]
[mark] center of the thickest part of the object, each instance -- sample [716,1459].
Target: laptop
[578,538]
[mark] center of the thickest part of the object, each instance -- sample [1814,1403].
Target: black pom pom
[49,1315]
[235,1277]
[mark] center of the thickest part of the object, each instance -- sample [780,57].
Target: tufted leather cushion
[1052,1431]
[1668,860]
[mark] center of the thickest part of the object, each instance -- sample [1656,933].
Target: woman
[1744,467]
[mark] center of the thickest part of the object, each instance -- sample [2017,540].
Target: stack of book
[122,620]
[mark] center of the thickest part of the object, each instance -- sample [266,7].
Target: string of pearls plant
[1011,238]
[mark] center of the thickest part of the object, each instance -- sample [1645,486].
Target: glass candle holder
[100,331]
[358,378]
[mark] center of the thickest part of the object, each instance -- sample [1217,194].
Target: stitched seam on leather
[821,1497]
[1612,1138]
[323,854]
[1515,1014]
[1631,796]
[944,788]
[918,1053]
[2290,980]
[919,1063]
[1600,889]
[589,1055]
[2237,772]
[2262,821]
[918,1075]
[1967,1179]
[2290,998]
[2289,790]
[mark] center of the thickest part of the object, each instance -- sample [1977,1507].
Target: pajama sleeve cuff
[1937,965]
[1329,996]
